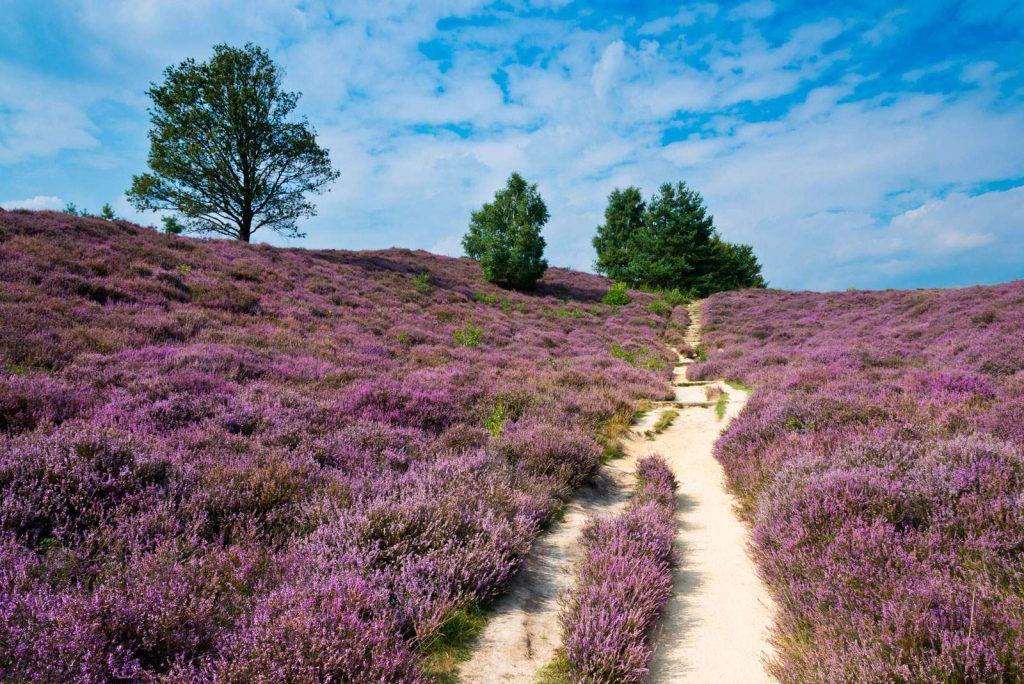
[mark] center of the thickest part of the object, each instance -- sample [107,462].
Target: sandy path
[524,633]
[715,627]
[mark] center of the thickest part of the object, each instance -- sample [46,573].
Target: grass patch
[555,672]
[488,298]
[737,385]
[663,423]
[612,450]
[640,358]
[569,312]
[453,643]
[721,405]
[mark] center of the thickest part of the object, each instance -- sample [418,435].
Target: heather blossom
[228,462]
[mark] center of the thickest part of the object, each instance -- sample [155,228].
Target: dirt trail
[716,625]
[524,633]
[715,628]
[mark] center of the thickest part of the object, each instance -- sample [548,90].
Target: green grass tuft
[721,405]
[453,643]
[555,672]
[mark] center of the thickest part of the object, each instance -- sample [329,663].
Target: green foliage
[422,283]
[675,297]
[495,422]
[618,294]
[613,449]
[659,307]
[663,423]
[224,150]
[721,404]
[488,298]
[470,335]
[641,358]
[452,643]
[403,338]
[504,235]
[172,226]
[184,269]
[71,210]
[558,671]
[570,312]
[670,243]
[107,212]
[737,385]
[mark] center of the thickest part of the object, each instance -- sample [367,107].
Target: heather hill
[881,462]
[232,461]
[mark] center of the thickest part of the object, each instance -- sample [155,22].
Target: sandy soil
[715,627]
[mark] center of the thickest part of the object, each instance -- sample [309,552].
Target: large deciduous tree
[670,242]
[225,151]
[505,235]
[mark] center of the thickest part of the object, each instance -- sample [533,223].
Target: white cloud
[37,202]
[753,9]
[606,70]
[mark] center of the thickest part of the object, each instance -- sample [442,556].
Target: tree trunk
[245,229]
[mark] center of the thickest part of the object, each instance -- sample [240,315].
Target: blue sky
[871,144]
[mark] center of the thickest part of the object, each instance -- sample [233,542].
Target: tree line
[229,157]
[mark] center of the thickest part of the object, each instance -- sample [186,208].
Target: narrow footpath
[715,627]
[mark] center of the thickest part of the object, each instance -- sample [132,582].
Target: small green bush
[617,294]
[675,297]
[469,336]
[488,298]
[422,283]
[495,423]
[659,307]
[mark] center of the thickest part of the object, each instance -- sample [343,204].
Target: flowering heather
[223,462]
[881,461]
[623,581]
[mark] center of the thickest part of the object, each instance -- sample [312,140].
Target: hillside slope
[881,460]
[257,464]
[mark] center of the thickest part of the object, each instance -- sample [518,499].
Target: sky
[853,144]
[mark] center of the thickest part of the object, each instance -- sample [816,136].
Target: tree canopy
[225,152]
[669,243]
[504,235]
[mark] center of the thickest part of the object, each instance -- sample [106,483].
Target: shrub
[877,460]
[190,492]
[469,336]
[622,583]
[617,294]
[422,283]
[659,307]
[488,298]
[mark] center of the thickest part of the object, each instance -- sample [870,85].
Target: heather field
[881,462]
[223,462]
